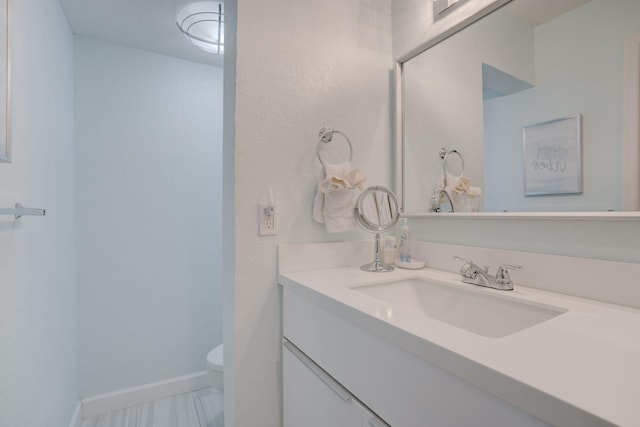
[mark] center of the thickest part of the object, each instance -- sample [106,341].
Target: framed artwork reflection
[552,157]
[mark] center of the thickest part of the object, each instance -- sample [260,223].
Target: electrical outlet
[267,219]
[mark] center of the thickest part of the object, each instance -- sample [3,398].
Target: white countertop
[587,359]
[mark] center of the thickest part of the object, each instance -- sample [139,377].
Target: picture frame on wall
[5,82]
[552,157]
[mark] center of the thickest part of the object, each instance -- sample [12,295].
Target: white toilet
[215,367]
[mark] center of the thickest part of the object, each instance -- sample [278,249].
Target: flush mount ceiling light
[203,25]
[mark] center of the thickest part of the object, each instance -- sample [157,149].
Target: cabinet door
[312,398]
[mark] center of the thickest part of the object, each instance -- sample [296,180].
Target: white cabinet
[312,398]
[403,389]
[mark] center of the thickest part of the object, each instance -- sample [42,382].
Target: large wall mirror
[542,103]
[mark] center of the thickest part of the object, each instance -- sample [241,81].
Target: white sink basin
[482,311]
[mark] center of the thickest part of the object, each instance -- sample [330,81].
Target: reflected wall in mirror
[524,64]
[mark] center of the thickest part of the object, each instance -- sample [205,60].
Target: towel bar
[444,155]
[440,197]
[326,135]
[20,210]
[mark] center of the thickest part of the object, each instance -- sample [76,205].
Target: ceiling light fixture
[203,25]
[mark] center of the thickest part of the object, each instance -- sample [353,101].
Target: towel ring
[326,135]
[444,155]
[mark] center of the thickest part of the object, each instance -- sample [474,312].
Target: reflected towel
[460,192]
[459,202]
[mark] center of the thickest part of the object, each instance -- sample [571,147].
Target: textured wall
[38,364]
[325,63]
[149,193]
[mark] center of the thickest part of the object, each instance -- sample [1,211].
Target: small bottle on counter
[405,242]
[390,250]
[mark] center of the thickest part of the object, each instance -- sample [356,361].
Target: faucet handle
[502,275]
[468,269]
[471,263]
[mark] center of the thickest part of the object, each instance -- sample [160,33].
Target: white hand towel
[336,197]
[340,170]
[356,178]
[318,206]
[338,210]
[334,183]
[318,201]
[353,179]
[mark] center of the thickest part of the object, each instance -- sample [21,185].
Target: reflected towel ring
[326,135]
[444,155]
[440,197]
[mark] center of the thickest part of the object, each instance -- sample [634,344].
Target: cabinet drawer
[311,397]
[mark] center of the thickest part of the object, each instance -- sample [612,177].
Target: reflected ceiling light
[203,25]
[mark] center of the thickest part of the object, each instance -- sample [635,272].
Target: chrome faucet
[476,275]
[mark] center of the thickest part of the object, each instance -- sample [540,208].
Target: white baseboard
[125,398]
[76,418]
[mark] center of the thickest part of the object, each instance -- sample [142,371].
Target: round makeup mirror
[377,211]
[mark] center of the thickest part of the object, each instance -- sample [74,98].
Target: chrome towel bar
[20,210]
[326,135]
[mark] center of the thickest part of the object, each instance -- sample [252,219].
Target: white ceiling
[143,24]
[150,24]
[540,11]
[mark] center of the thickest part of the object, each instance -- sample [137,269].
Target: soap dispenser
[407,260]
[405,242]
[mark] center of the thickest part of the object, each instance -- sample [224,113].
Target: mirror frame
[362,221]
[376,266]
[5,62]
[631,152]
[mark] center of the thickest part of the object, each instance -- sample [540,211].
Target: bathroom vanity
[421,348]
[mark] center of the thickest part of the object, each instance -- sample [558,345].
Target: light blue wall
[38,363]
[612,240]
[564,71]
[606,239]
[148,184]
[228,213]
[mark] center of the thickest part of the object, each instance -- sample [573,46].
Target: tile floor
[202,408]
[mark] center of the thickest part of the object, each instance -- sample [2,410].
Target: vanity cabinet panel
[311,399]
[402,388]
